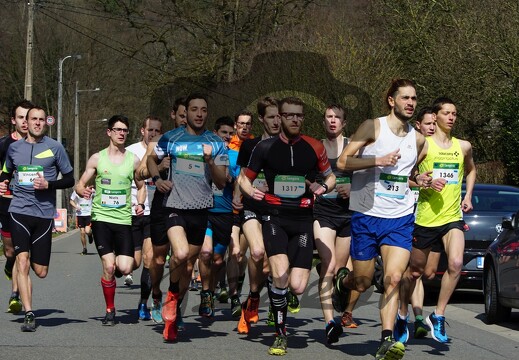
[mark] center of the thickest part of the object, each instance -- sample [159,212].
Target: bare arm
[90,171]
[141,189]
[366,134]
[470,176]
[218,172]
[152,161]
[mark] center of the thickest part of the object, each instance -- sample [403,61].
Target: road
[69,307]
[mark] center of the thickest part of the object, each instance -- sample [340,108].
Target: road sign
[50,120]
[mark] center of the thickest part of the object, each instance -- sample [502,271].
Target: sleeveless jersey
[440,208]
[140,151]
[112,201]
[383,191]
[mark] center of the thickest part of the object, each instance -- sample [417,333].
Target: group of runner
[199,194]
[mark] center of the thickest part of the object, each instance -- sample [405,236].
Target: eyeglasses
[243,124]
[120,130]
[290,116]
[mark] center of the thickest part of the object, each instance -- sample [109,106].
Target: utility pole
[28,53]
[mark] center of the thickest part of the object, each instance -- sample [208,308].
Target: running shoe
[280,345]
[244,323]
[400,330]
[340,296]
[84,252]
[128,281]
[15,305]
[333,331]
[223,297]
[252,309]
[180,322]
[90,238]
[8,272]
[235,307]
[29,322]
[109,319]
[144,312]
[293,303]
[168,257]
[206,300]
[347,320]
[193,285]
[437,325]
[270,317]
[390,350]
[420,329]
[156,311]
[169,315]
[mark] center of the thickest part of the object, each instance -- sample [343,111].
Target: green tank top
[440,208]
[112,201]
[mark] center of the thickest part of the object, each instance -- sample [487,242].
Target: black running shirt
[288,165]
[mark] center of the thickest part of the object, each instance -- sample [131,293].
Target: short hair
[338,107]
[265,103]
[194,96]
[179,101]
[243,112]
[290,100]
[222,121]
[423,111]
[152,118]
[34,107]
[25,104]
[439,102]
[116,118]
[393,89]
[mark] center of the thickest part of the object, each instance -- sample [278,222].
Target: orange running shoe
[252,309]
[244,323]
[169,315]
[347,320]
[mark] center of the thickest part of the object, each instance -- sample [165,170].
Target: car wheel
[378,276]
[494,311]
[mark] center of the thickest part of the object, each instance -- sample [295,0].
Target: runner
[251,210]
[35,162]
[193,150]
[290,162]
[332,225]
[83,209]
[151,127]
[382,154]
[114,170]
[19,121]
[439,215]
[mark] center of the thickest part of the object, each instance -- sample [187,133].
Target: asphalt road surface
[69,307]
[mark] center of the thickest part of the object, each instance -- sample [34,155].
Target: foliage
[507,113]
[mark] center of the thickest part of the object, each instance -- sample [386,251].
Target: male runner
[290,162]
[439,215]
[19,121]
[35,162]
[268,115]
[332,225]
[382,154]
[151,127]
[114,170]
[193,150]
[83,209]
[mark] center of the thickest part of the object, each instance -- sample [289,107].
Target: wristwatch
[155,178]
[143,206]
[325,187]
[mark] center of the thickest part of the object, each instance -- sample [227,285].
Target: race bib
[190,165]
[393,186]
[113,198]
[289,186]
[27,174]
[338,182]
[416,193]
[260,181]
[447,171]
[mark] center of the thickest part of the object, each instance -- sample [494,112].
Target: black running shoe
[109,319]
[340,295]
[333,331]
[29,322]
[90,238]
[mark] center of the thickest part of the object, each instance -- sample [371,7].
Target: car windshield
[492,200]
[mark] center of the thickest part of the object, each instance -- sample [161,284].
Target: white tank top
[383,191]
